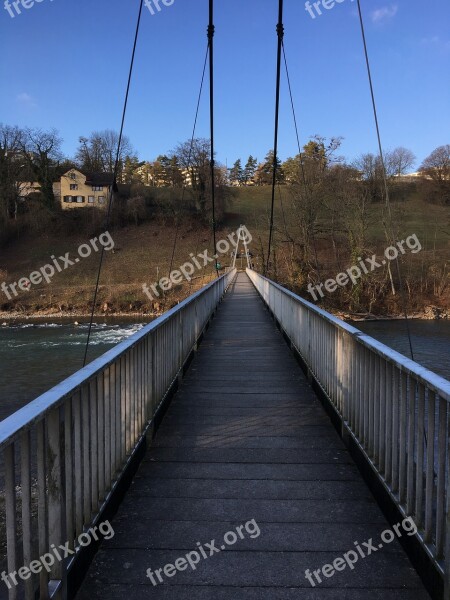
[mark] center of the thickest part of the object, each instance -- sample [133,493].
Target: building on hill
[147,174]
[190,176]
[409,177]
[26,188]
[79,189]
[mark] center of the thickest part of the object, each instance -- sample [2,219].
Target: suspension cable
[211,31]
[302,167]
[197,247]
[280,34]
[191,147]
[384,173]
[115,174]
[291,96]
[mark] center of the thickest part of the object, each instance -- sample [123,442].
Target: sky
[64,65]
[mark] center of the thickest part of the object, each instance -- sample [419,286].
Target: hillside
[142,254]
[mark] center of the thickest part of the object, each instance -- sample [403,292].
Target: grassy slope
[430,222]
[143,251]
[140,253]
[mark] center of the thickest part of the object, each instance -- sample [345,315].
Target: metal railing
[396,411]
[64,453]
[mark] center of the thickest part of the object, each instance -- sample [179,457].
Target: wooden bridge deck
[245,438]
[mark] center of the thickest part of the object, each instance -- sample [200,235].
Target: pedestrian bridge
[245,445]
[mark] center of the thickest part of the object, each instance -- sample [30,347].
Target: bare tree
[42,153]
[308,189]
[98,152]
[193,160]
[12,169]
[437,165]
[436,169]
[371,172]
[399,161]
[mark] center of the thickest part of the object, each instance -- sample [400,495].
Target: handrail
[433,380]
[396,411]
[26,416]
[64,453]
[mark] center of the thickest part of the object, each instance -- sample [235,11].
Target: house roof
[99,178]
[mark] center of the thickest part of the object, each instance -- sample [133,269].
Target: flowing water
[430,340]
[36,356]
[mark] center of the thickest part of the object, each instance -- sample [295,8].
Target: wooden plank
[246,438]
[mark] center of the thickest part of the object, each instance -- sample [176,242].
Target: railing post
[56,501]
[10,509]
[196,327]
[308,356]
[153,382]
[180,348]
[42,505]
[148,379]
[447,516]
[346,378]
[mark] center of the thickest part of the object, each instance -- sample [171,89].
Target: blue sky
[64,64]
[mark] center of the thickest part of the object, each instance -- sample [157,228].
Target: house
[26,188]
[147,175]
[190,176]
[85,189]
[412,176]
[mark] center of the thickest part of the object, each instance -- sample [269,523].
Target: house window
[97,188]
[91,199]
[80,199]
[101,199]
[73,176]
[68,199]
[73,186]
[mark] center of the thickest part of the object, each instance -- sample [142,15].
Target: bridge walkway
[246,441]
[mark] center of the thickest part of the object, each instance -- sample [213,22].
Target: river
[36,356]
[430,340]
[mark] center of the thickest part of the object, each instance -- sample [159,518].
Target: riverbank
[145,253]
[76,318]
[431,313]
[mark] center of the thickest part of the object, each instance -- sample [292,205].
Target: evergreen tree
[250,169]
[237,173]
[130,165]
[266,170]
